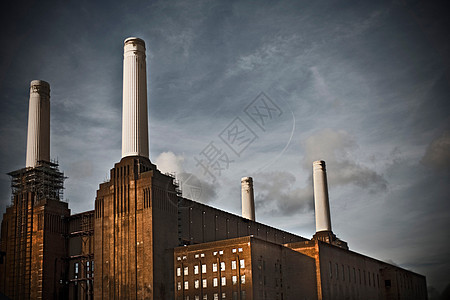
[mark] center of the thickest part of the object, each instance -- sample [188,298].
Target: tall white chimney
[134,112]
[248,200]
[38,139]
[322,204]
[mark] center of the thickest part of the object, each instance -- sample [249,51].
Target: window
[234,279]
[216,296]
[76,269]
[233,265]
[222,266]
[196,269]
[197,283]
[337,271]
[178,258]
[186,285]
[204,283]
[215,282]
[343,273]
[196,255]
[205,297]
[178,285]
[221,252]
[215,253]
[354,275]
[369,277]
[197,297]
[224,281]
[331,270]
[186,271]
[202,255]
[187,298]
[224,296]
[234,250]
[178,271]
[359,275]
[214,267]
[240,250]
[242,264]
[243,295]
[203,269]
[243,279]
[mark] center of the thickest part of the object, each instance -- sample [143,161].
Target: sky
[253,88]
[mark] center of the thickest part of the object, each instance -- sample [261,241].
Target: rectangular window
[331,270]
[196,255]
[92,268]
[214,267]
[234,250]
[196,269]
[240,250]
[234,279]
[186,271]
[242,279]
[216,296]
[215,282]
[186,285]
[179,286]
[197,297]
[178,271]
[359,275]
[221,252]
[354,275]
[222,266]
[243,295]
[224,281]
[204,283]
[76,268]
[197,283]
[337,271]
[233,265]
[369,277]
[224,296]
[235,295]
[242,264]
[343,273]
[205,297]
[203,269]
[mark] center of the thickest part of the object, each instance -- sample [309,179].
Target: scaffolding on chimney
[45,181]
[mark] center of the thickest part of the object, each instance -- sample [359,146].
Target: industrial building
[144,240]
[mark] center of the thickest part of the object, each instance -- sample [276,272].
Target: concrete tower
[248,200]
[134,112]
[38,140]
[321,201]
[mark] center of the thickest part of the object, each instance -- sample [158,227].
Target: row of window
[215,282]
[216,296]
[220,252]
[214,267]
[347,275]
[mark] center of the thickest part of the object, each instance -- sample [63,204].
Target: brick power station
[144,240]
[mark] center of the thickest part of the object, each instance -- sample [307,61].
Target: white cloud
[169,162]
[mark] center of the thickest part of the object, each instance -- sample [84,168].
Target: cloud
[168,162]
[335,148]
[276,193]
[437,154]
[191,186]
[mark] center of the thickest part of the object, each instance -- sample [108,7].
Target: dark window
[387,283]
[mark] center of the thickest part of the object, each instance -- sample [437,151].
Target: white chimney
[134,112]
[38,140]
[322,204]
[248,200]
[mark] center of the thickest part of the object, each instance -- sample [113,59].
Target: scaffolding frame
[45,180]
